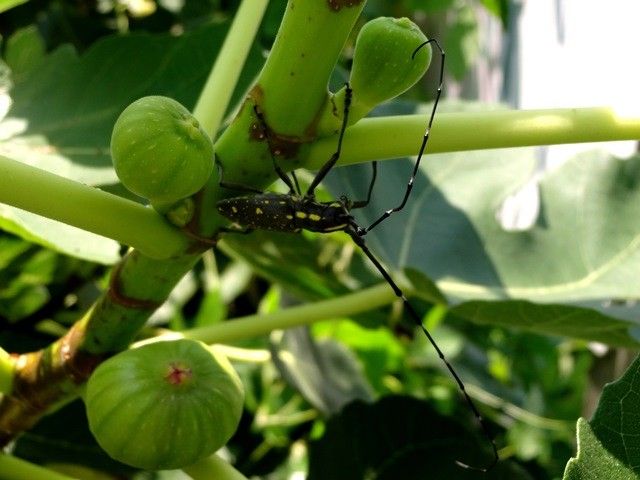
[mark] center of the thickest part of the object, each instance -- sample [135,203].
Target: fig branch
[306,314]
[292,87]
[142,228]
[453,132]
[216,93]
[14,468]
[139,284]
[106,214]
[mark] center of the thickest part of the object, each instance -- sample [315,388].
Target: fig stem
[261,324]
[213,467]
[309,42]
[218,89]
[88,208]
[130,223]
[31,188]
[14,468]
[452,132]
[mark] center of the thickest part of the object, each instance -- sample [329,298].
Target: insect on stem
[294,212]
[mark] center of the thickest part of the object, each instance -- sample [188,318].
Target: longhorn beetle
[294,211]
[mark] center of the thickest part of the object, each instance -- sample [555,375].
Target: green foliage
[58,236]
[607,445]
[577,252]
[85,94]
[463,38]
[500,8]
[417,444]
[33,285]
[24,50]
[326,374]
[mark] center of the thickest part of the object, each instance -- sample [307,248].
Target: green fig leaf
[608,445]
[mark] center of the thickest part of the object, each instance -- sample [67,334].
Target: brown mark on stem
[285,146]
[202,243]
[336,5]
[281,145]
[115,294]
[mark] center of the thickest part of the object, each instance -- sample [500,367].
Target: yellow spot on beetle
[234,209]
[301,215]
[289,217]
[315,217]
[258,211]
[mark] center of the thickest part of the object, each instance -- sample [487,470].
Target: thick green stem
[138,286]
[256,325]
[371,139]
[291,92]
[213,467]
[13,468]
[400,136]
[216,93]
[93,210]
[293,83]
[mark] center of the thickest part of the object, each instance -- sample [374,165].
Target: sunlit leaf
[608,445]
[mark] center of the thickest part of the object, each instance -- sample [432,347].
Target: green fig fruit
[164,405]
[384,64]
[159,150]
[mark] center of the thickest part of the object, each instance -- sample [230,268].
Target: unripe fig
[164,405]
[383,66]
[159,150]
